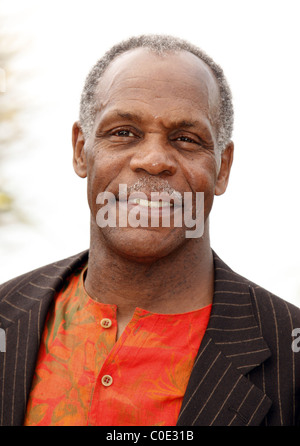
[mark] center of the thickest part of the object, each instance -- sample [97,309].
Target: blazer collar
[233,325]
[218,392]
[35,289]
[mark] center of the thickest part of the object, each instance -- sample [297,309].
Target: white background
[255,225]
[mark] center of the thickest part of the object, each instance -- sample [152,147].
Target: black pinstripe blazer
[245,372]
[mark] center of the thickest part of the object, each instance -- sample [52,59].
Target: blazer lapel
[218,392]
[24,306]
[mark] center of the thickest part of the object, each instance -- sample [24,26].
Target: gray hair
[159,44]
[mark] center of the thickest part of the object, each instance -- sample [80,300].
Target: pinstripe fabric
[24,304]
[245,372]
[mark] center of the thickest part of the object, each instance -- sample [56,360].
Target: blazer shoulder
[59,269]
[269,305]
[265,303]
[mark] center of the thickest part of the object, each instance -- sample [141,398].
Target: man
[149,327]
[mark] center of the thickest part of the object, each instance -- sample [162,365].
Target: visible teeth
[151,204]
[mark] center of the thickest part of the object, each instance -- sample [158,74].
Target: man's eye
[186,139]
[124,133]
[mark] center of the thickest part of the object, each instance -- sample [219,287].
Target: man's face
[155,126]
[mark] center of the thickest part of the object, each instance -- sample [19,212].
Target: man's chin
[143,245]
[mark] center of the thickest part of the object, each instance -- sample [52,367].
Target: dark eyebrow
[128,115]
[186,124]
[115,114]
[183,124]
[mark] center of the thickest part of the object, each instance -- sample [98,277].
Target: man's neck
[178,283]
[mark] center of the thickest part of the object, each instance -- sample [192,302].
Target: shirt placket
[107,380]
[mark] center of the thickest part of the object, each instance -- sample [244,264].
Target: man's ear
[224,172]
[79,155]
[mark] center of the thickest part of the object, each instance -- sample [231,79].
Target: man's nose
[154,157]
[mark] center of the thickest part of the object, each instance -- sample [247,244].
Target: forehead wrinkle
[186,122]
[112,81]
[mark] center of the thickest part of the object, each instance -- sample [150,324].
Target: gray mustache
[154,185]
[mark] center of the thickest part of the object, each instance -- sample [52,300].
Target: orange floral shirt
[84,376]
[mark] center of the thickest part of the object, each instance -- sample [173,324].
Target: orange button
[106,323]
[107,380]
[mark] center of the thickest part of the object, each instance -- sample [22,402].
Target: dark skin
[155,118]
